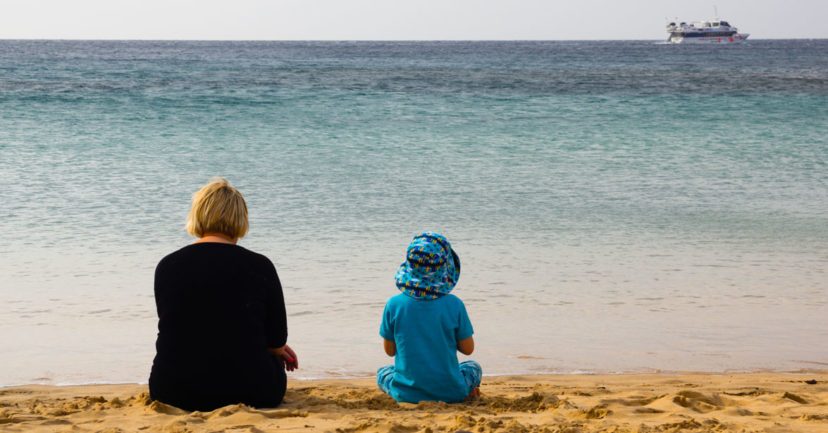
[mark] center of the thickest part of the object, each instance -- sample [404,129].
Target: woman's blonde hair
[218,207]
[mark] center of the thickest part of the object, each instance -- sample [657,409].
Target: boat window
[715,24]
[724,23]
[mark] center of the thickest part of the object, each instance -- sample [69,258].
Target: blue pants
[472,372]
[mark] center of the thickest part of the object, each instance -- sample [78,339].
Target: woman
[222,329]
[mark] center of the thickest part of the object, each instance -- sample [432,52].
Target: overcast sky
[397,19]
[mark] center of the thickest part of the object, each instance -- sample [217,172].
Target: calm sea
[618,206]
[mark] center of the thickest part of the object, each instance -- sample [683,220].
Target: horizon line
[372,40]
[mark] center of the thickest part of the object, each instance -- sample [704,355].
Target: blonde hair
[218,207]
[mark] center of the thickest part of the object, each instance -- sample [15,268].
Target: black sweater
[220,306]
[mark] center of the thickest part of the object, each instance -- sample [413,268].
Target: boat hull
[734,39]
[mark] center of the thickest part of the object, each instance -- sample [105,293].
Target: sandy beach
[749,402]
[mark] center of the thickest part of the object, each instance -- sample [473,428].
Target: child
[425,326]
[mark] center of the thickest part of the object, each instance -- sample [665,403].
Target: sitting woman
[222,329]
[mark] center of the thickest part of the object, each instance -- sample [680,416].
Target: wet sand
[749,402]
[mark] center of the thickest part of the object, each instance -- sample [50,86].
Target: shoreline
[345,378]
[650,402]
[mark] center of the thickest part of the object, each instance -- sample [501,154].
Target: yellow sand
[756,402]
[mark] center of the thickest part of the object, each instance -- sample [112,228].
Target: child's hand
[390,347]
[288,356]
[466,347]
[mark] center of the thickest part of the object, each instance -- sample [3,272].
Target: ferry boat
[715,31]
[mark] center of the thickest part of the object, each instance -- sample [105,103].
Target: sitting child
[425,326]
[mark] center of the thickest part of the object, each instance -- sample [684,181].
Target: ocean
[618,206]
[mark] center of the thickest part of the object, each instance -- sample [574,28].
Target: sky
[398,19]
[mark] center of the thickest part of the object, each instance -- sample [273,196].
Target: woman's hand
[286,354]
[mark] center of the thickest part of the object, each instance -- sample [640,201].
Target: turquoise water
[618,206]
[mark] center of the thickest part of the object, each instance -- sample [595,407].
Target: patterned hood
[431,268]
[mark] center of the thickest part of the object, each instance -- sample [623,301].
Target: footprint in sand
[635,400]
[243,429]
[598,412]
[698,402]
[794,397]
[756,392]
[648,410]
